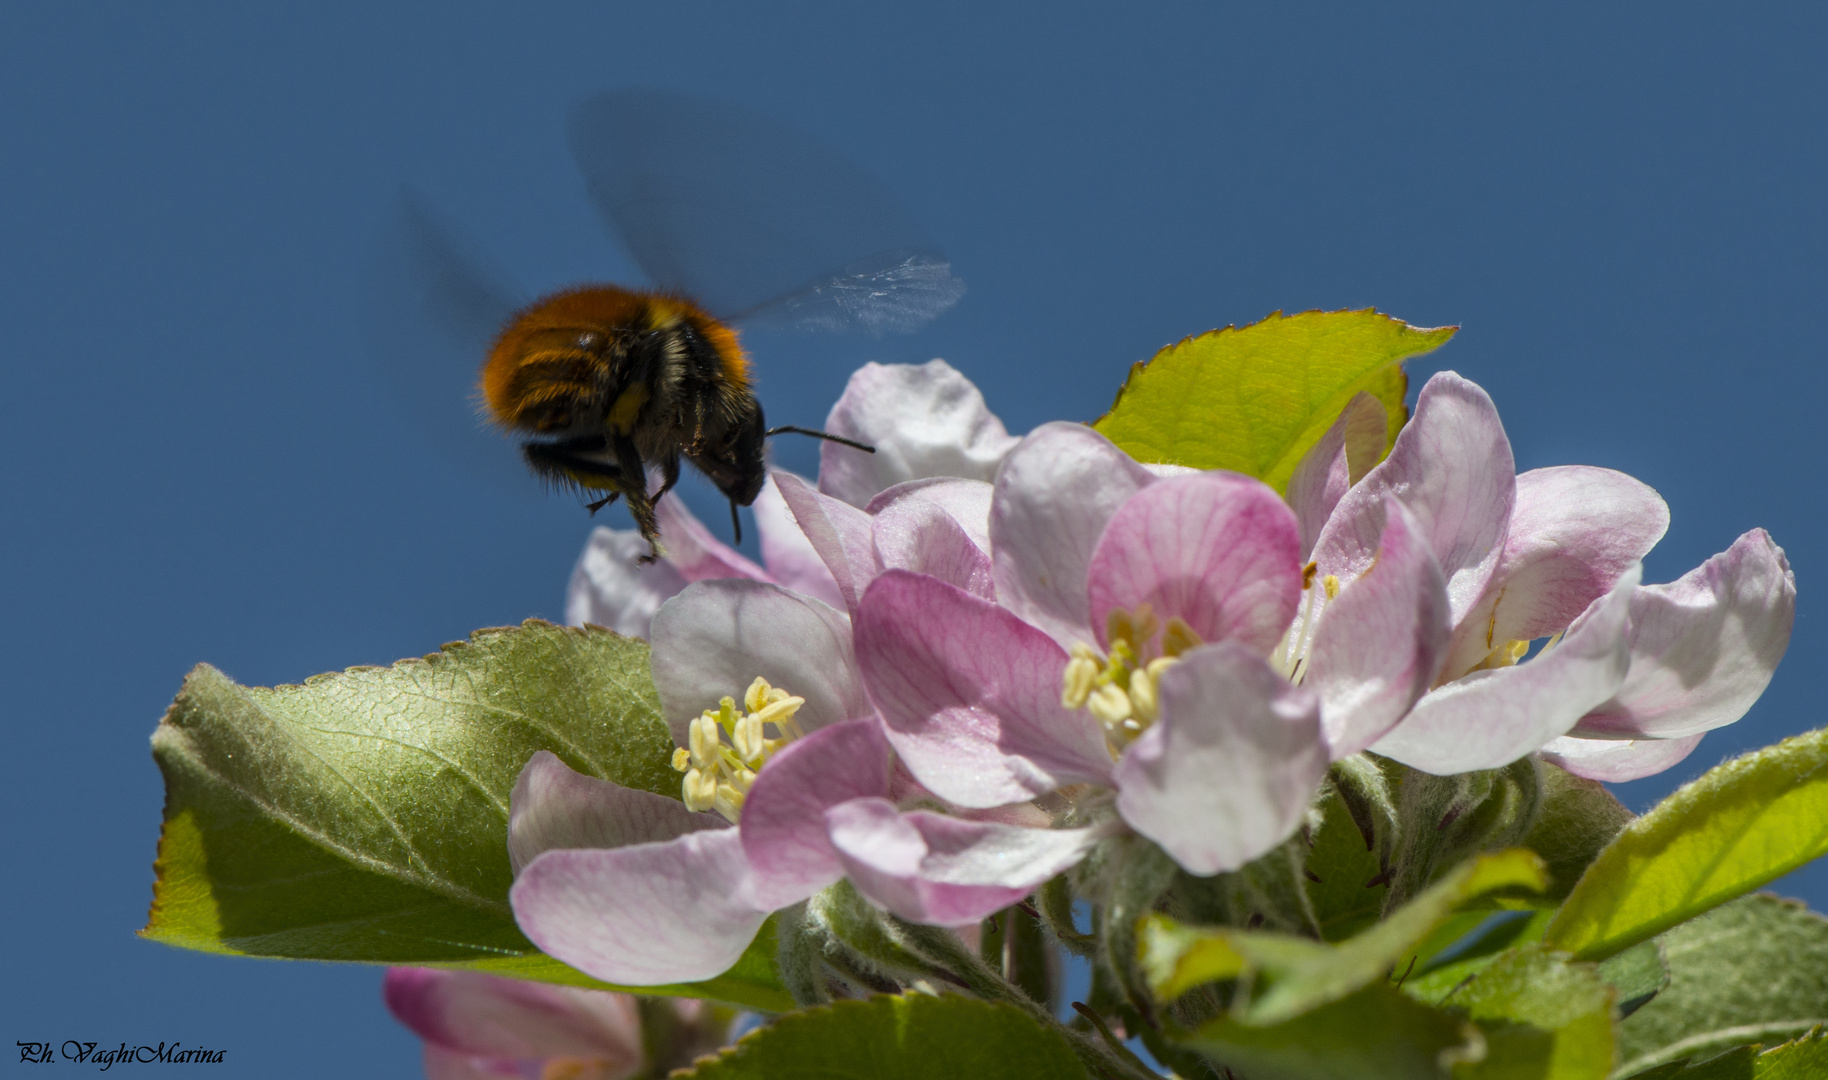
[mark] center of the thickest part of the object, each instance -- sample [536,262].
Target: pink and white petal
[694,552]
[1491,718]
[1378,646]
[1228,770]
[965,501]
[678,911]
[970,695]
[1704,647]
[1054,497]
[442,1064]
[1452,467]
[1331,466]
[838,532]
[470,1013]
[783,824]
[713,639]
[554,807]
[609,587]
[934,869]
[1573,531]
[923,419]
[792,561]
[1617,760]
[1218,550]
[942,536]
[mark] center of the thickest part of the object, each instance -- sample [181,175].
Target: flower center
[727,747]
[1120,687]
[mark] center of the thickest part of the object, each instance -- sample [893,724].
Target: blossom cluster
[970,658]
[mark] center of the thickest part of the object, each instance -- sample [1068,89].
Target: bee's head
[734,463]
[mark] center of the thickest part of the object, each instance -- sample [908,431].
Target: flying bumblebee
[734,218]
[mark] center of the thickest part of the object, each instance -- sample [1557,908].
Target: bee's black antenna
[827,436]
[736,522]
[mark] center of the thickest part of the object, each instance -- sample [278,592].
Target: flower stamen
[718,776]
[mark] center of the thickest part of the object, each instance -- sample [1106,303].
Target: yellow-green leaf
[1253,399]
[1543,1019]
[363,815]
[1739,826]
[1297,974]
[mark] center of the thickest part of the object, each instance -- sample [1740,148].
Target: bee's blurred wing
[437,310]
[754,218]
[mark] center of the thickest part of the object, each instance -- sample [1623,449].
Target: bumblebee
[733,217]
[618,380]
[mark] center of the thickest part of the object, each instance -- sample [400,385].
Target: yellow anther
[1110,704]
[760,695]
[748,740]
[1081,677]
[682,759]
[729,803]
[1178,638]
[1331,585]
[1307,574]
[704,739]
[699,790]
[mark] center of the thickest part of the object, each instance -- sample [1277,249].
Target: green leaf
[1375,1034]
[1298,974]
[1255,399]
[906,1037]
[1345,879]
[1739,826]
[1543,1019]
[1443,969]
[1739,1063]
[1799,1059]
[363,815]
[1753,971]
[1638,974]
[1576,819]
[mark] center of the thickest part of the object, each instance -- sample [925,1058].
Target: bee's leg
[593,507]
[669,475]
[736,523]
[628,460]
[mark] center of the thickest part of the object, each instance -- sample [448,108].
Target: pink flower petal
[1452,467]
[924,420]
[442,1064]
[934,869]
[555,807]
[1573,531]
[479,1015]
[783,825]
[713,639]
[678,911]
[1703,648]
[694,552]
[609,587]
[1331,466]
[936,527]
[1217,550]
[1377,647]
[1228,770]
[1617,760]
[792,561]
[970,694]
[1491,718]
[838,532]
[1054,497]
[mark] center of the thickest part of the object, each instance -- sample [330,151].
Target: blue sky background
[1621,204]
